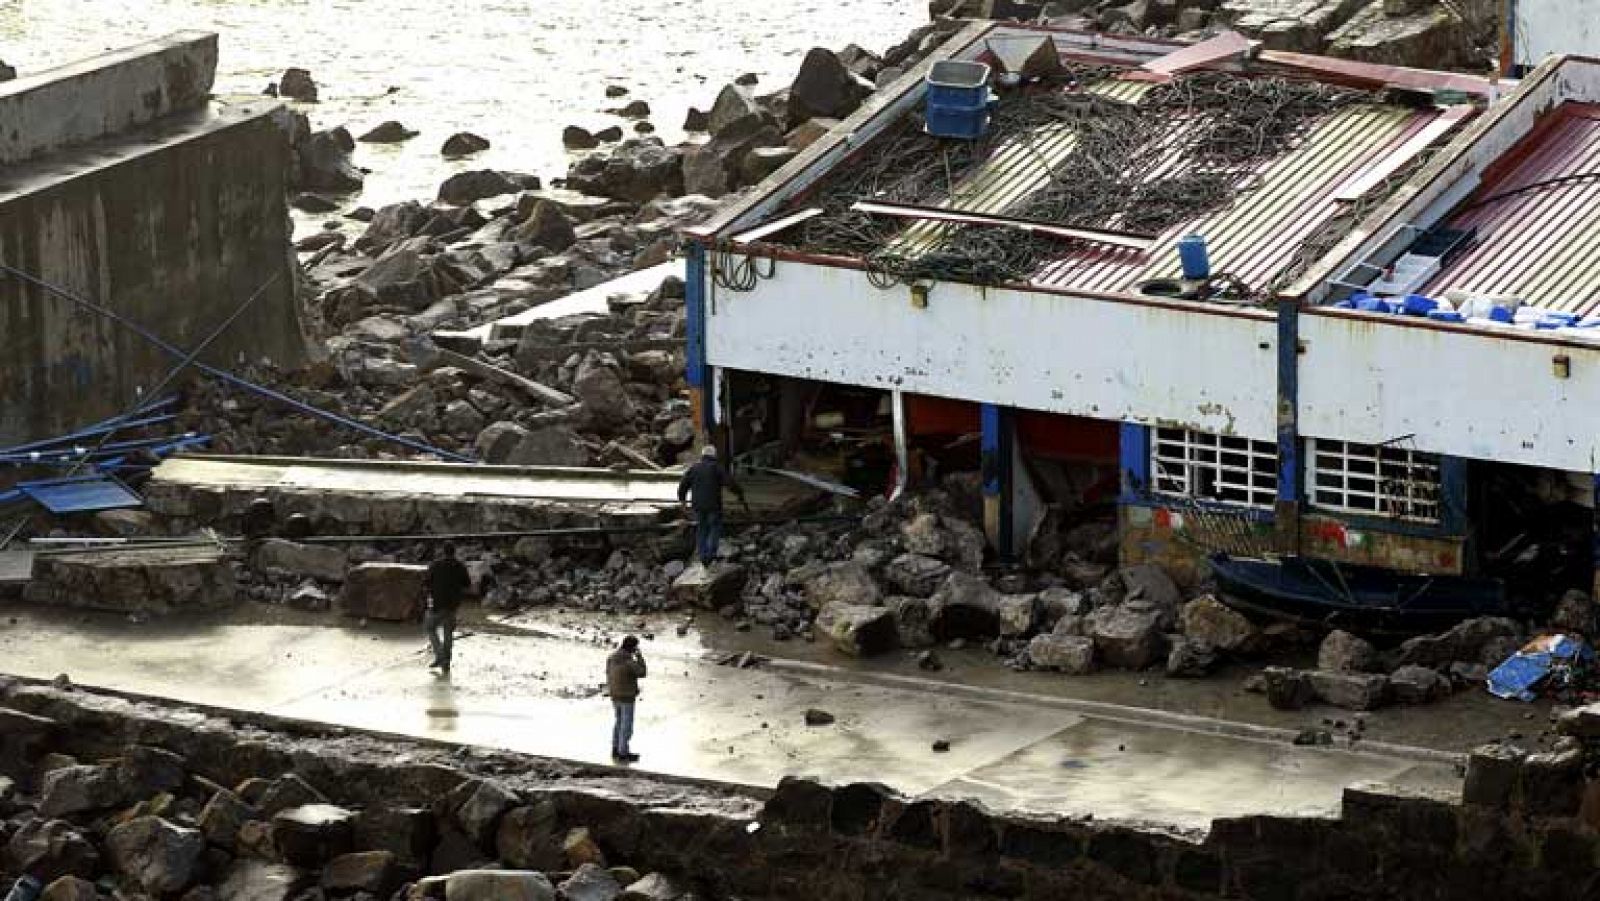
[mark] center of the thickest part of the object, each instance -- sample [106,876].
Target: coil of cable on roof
[1173,154]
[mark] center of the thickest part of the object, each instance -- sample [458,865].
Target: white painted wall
[1469,395]
[1106,359]
[1548,27]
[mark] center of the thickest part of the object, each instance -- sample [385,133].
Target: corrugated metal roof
[1539,246]
[1256,237]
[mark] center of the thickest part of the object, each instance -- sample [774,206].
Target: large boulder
[1127,636]
[480,812]
[716,167]
[736,113]
[463,143]
[497,885]
[401,277]
[1465,641]
[527,837]
[223,816]
[509,444]
[1148,587]
[858,630]
[70,888]
[1352,691]
[313,834]
[1342,652]
[145,771]
[160,857]
[545,226]
[638,170]
[1209,622]
[1017,614]
[922,535]
[306,560]
[72,790]
[846,582]
[1072,654]
[916,575]
[297,84]
[601,390]
[388,132]
[463,188]
[965,606]
[395,222]
[387,591]
[1418,685]
[1190,657]
[50,849]
[406,832]
[325,164]
[825,87]
[1286,687]
[713,587]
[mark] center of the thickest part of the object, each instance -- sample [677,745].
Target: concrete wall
[173,226]
[106,94]
[1210,368]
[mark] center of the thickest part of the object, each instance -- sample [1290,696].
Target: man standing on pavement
[702,486]
[448,580]
[624,668]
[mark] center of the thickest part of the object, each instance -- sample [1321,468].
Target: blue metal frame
[1288,402]
[1133,452]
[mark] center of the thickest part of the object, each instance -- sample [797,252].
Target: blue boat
[1361,599]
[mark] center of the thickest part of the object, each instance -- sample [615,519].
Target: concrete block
[106,95]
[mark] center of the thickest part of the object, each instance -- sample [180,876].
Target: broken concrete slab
[387,591]
[146,581]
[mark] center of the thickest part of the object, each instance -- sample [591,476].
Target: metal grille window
[1372,480]
[1221,468]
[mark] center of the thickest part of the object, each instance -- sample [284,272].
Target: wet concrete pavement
[541,695]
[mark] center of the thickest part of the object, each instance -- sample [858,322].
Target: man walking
[702,486]
[624,668]
[448,580]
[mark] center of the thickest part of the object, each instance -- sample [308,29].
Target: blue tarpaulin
[1519,677]
[81,494]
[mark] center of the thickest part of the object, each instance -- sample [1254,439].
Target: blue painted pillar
[1286,512]
[1453,495]
[996,472]
[1133,449]
[698,375]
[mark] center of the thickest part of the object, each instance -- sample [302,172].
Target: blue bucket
[1194,257]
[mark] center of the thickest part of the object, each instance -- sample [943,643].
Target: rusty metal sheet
[1225,46]
[1538,245]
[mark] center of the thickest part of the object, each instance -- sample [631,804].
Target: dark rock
[325,164]
[51,849]
[222,817]
[465,187]
[916,575]
[1147,587]
[590,883]
[736,114]
[375,872]
[1552,783]
[509,444]
[305,560]
[1492,775]
[313,203]
[824,87]
[405,832]
[600,389]
[761,162]
[815,717]
[636,171]
[1418,685]
[913,621]
[546,227]
[311,835]
[637,109]
[463,143]
[79,789]
[479,814]
[297,84]
[696,120]
[964,607]
[145,771]
[1465,641]
[712,587]
[580,848]
[611,134]
[858,630]
[527,837]
[1342,652]
[575,137]
[1574,614]
[386,591]
[389,132]
[160,857]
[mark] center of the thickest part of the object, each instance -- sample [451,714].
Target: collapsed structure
[1164,276]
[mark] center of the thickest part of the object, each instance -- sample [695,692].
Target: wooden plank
[934,214]
[481,369]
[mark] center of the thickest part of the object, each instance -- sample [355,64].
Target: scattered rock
[463,143]
[297,84]
[590,883]
[1071,654]
[386,591]
[1286,688]
[160,857]
[575,137]
[824,87]
[388,132]
[1352,691]
[463,188]
[712,587]
[1418,685]
[858,630]
[1208,622]
[1342,652]
[1190,657]
[1127,636]
[815,717]
[497,885]
[311,835]
[847,583]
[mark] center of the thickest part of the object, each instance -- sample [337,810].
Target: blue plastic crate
[958,83]
[964,122]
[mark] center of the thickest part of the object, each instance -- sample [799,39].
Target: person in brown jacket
[624,668]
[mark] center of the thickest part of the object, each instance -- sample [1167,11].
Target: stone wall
[1523,836]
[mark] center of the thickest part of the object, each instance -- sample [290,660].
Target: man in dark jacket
[624,668]
[448,580]
[702,486]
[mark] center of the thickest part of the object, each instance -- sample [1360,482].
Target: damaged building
[1253,303]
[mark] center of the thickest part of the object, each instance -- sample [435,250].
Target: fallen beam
[536,390]
[934,214]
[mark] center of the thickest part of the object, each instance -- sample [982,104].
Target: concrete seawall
[172,223]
